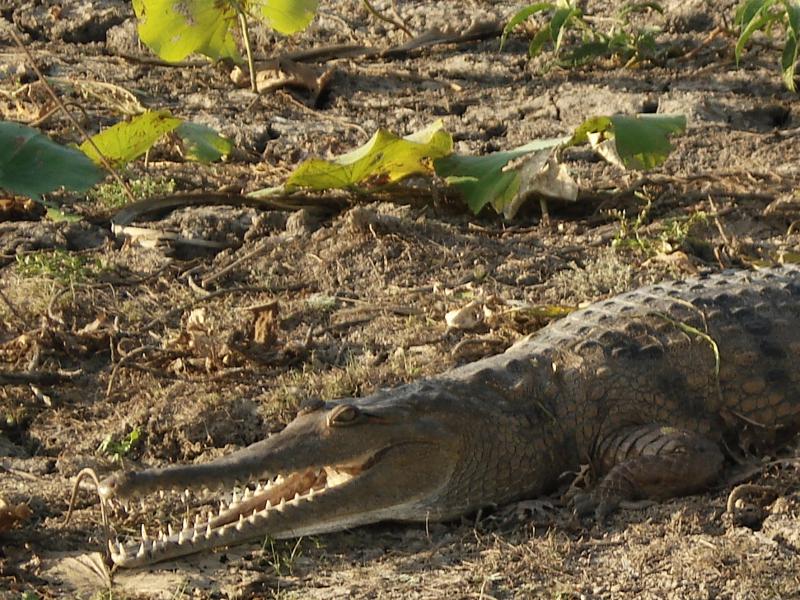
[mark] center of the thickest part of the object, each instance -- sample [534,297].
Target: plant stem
[386,19]
[246,38]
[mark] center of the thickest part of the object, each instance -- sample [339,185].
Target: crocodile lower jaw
[252,511]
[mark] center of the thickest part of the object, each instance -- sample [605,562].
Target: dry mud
[205,352]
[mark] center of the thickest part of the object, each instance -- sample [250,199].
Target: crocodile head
[337,465]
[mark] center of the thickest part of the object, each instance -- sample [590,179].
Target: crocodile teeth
[208,530]
[234,497]
[240,522]
[142,551]
[181,537]
[296,499]
[311,493]
[248,493]
[185,524]
[259,487]
[282,504]
[144,534]
[195,536]
[170,530]
[222,507]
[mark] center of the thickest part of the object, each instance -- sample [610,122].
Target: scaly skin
[647,386]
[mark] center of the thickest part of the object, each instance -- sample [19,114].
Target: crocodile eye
[344,414]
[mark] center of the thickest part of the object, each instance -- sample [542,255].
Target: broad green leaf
[641,142]
[384,158]
[128,140]
[202,143]
[31,164]
[285,16]
[521,16]
[482,180]
[174,29]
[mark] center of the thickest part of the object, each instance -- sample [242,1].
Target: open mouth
[243,513]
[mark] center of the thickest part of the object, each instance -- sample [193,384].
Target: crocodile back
[715,355]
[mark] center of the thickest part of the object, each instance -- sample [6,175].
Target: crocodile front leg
[650,463]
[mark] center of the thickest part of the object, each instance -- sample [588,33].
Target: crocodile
[653,388]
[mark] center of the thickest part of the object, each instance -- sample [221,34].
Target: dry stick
[122,362]
[72,119]
[386,19]
[246,40]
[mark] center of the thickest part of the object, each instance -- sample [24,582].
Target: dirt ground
[186,354]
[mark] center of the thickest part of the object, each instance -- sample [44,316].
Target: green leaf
[128,140]
[754,15]
[643,141]
[747,10]
[384,158]
[790,50]
[640,142]
[560,22]
[31,164]
[286,16]
[174,29]
[521,16]
[482,179]
[202,143]
[591,125]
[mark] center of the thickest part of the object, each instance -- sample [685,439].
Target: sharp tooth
[296,499]
[181,538]
[234,497]
[161,535]
[240,523]
[144,533]
[195,535]
[222,507]
[282,504]
[142,550]
[248,493]
[267,507]
[279,479]
[311,493]
[208,530]
[197,520]
[259,487]
[170,530]
[185,524]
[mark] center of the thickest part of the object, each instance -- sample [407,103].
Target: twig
[37,377]
[121,363]
[248,50]
[13,31]
[211,295]
[386,19]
